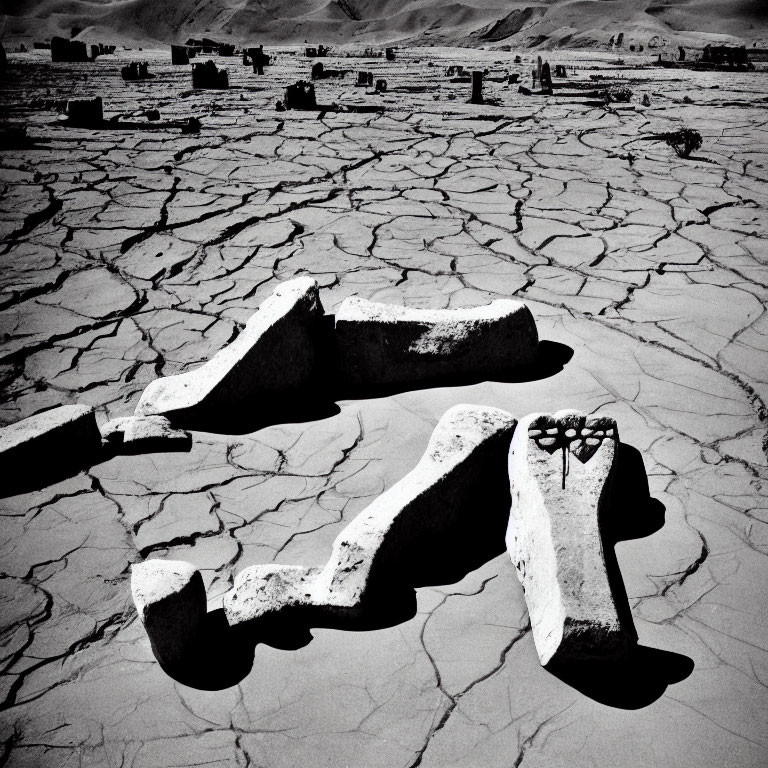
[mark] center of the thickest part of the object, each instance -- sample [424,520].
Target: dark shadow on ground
[36,475]
[551,358]
[319,401]
[633,681]
[640,675]
[31,475]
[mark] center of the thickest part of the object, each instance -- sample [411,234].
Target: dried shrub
[684,141]
[620,94]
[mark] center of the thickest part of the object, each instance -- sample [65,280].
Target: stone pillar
[477,87]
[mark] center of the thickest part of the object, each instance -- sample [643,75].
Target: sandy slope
[546,22]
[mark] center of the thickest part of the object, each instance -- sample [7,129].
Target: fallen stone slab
[66,437]
[389,344]
[277,355]
[170,599]
[560,470]
[370,555]
[144,434]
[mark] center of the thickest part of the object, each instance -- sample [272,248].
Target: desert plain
[133,253]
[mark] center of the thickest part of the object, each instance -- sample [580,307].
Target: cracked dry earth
[133,254]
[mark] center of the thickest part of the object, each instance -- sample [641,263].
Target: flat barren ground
[131,254]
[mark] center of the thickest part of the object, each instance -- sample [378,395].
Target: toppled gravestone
[143,434]
[560,470]
[389,344]
[170,599]
[85,113]
[370,553]
[66,436]
[207,75]
[276,355]
[462,461]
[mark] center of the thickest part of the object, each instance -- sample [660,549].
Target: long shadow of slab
[320,400]
[642,674]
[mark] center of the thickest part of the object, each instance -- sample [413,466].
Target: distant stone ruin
[136,71]
[319,72]
[74,51]
[726,56]
[257,58]
[546,77]
[68,50]
[207,75]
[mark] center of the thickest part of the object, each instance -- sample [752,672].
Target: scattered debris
[144,434]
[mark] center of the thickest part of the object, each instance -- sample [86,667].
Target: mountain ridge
[523,23]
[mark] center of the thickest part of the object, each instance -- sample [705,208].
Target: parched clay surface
[385,343]
[134,255]
[370,554]
[561,468]
[276,355]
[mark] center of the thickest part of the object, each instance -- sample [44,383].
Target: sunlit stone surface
[562,467]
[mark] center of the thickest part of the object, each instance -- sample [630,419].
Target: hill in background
[521,24]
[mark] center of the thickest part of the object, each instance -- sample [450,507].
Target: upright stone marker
[560,472]
[477,87]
